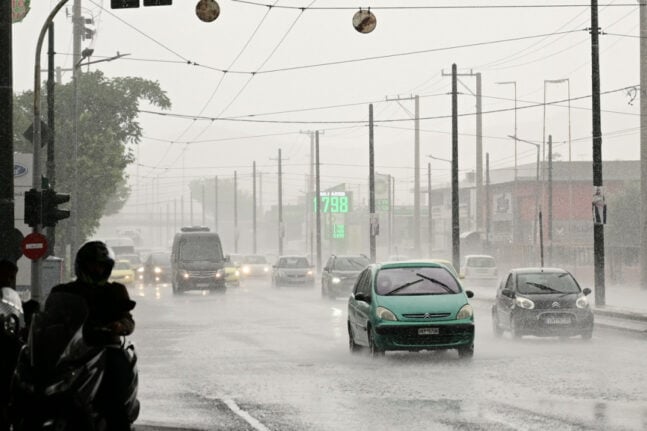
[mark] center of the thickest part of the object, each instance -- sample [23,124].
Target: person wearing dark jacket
[109,318]
[10,345]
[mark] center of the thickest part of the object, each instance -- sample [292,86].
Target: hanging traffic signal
[32,207]
[50,202]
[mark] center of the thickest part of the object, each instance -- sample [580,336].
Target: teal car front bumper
[416,336]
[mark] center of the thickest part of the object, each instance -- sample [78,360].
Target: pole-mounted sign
[19,9]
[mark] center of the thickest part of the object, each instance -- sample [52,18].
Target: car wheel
[496,328]
[588,334]
[515,331]
[352,346]
[466,352]
[375,351]
[175,288]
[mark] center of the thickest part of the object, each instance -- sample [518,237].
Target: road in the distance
[258,358]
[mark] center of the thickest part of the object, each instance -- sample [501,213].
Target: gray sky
[367,68]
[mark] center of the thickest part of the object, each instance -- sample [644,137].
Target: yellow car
[123,272]
[232,270]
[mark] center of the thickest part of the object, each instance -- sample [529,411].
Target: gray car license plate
[558,321]
[428,331]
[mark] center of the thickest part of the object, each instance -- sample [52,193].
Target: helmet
[94,262]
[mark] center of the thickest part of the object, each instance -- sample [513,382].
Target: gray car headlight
[385,314]
[582,302]
[522,302]
[335,280]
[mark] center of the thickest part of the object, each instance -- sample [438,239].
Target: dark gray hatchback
[541,302]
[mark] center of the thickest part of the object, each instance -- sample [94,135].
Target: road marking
[246,416]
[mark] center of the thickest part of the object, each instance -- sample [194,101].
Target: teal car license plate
[428,331]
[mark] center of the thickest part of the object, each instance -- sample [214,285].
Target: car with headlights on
[292,271]
[340,273]
[410,306]
[156,268]
[542,302]
[122,272]
[255,266]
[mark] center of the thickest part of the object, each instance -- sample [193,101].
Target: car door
[505,303]
[358,309]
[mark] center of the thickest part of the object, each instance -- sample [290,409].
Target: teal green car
[411,306]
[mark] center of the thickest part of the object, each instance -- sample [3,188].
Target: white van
[479,268]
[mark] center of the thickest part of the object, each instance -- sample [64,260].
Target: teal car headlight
[465,312]
[335,280]
[522,302]
[385,314]
[582,302]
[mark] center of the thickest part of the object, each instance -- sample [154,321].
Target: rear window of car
[416,281]
[539,283]
[293,262]
[481,262]
[350,263]
[122,265]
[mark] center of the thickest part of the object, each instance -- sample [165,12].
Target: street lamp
[537,146]
[429,197]
[516,191]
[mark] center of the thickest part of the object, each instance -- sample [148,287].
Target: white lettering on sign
[33,246]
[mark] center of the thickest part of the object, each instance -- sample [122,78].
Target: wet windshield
[293,262]
[350,263]
[416,281]
[255,259]
[539,283]
[200,248]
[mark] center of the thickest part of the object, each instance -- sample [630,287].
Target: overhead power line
[448,6]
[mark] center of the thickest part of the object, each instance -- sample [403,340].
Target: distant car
[255,265]
[133,258]
[410,306]
[542,302]
[122,272]
[447,264]
[292,271]
[479,268]
[197,261]
[340,273]
[156,268]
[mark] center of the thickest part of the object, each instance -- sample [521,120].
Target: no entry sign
[34,246]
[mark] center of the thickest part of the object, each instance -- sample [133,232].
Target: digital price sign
[333,202]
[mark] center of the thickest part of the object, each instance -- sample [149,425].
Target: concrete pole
[371,185]
[456,253]
[643,143]
[416,183]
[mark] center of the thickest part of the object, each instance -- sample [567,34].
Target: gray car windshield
[293,262]
[255,259]
[416,281]
[546,283]
[350,263]
[200,249]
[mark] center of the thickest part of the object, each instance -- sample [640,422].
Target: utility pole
[479,145]
[77,28]
[215,203]
[550,199]
[280,209]
[235,212]
[416,169]
[7,224]
[487,202]
[51,167]
[456,253]
[318,193]
[371,184]
[254,239]
[203,201]
[598,228]
[429,208]
[391,201]
[643,143]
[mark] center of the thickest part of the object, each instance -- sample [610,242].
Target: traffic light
[50,202]
[32,207]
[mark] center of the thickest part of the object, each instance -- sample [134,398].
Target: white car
[479,268]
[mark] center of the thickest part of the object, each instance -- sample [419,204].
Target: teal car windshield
[416,281]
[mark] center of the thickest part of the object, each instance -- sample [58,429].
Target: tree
[108,130]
